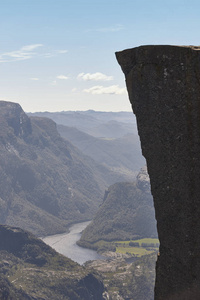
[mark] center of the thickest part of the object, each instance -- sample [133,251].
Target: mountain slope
[32,270]
[128,281]
[45,182]
[126,213]
[121,154]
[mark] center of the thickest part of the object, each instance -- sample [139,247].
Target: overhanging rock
[163,83]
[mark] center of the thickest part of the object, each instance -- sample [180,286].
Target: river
[66,244]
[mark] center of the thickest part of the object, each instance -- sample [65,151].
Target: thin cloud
[63,77]
[31,47]
[48,55]
[94,77]
[28,52]
[61,51]
[25,52]
[34,78]
[112,90]
[54,53]
[54,82]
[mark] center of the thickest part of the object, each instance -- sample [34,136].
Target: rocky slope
[127,213]
[127,281]
[32,270]
[164,90]
[45,182]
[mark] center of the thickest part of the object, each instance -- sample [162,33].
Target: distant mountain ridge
[110,138]
[122,154]
[45,182]
[97,124]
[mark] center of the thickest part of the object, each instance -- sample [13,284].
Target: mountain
[119,154]
[122,116]
[45,182]
[32,270]
[109,138]
[127,213]
[97,124]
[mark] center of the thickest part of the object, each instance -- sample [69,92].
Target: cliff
[163,83]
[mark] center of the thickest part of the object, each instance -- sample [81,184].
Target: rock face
[163,83]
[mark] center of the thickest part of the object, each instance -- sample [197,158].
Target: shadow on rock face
[164,90]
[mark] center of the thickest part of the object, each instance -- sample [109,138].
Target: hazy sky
[59,54]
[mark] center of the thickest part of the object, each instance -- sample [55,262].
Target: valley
[54,179]
[110,139]
[47,184]
[124,272]
[99,158]
[32,270]
[66,244]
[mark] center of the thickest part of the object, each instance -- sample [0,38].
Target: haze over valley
[51,180]
[77,219]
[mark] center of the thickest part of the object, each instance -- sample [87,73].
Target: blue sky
[59,55]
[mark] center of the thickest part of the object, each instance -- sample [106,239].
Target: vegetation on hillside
[128,281]
[127,213]
[45,182]
[32,270]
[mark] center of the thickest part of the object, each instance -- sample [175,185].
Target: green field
[146,240]
[151,245]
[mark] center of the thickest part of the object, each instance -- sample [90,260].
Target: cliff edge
[163,83]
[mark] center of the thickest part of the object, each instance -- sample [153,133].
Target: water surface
[66,244]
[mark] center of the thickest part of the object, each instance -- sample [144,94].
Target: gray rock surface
[143,181]
[163,83]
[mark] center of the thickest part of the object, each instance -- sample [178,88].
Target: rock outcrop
[163,83]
